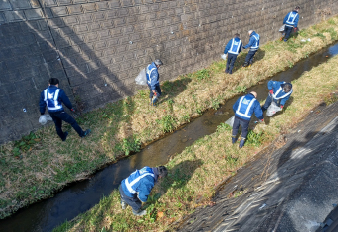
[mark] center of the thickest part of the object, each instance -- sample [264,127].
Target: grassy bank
[39,164]
[194,174]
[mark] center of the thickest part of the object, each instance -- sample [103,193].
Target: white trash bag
[273,109]
[141,79]
[224,56]
[230,121]
[282,28]
[44,119]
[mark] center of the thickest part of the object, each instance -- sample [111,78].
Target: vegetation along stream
[81,196]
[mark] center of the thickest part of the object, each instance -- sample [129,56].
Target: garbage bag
[273,109]
[141,79]
[230,121]
[44,119]
[224,56]
[282,28]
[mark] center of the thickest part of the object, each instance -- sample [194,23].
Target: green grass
[34,168]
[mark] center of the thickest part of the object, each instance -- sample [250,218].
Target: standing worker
[52,97]
[291,21]
[279,92]
[254,45]
[135,189]
[233,48]
[153,81]
[244,108]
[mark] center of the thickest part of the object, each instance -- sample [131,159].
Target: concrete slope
[293,188]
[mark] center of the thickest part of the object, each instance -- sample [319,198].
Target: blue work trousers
[268,102]
[158,92]
[231,63]
[249,56]
[134,202]
[287,31]
[60,116]
[244,127]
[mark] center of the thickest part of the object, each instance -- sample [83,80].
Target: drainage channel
[81,196]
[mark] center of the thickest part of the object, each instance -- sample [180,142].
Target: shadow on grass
[180,175]
[241,58]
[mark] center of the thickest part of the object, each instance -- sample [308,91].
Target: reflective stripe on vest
[293,19]
[247,109]
[130,185]
[232,45]
[149,72]
[283,96]
[55,100]
[257,42]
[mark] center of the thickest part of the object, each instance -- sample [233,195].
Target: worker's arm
[42,103]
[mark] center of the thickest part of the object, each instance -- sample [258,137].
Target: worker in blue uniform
[52,98]
[244,108]
[253,45]
[135,189]
[279,92]
[233,48]
[291,22]
[153,81]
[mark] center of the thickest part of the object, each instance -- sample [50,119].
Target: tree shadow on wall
[86,62]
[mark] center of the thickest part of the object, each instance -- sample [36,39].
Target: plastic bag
[224,56]
[282,28]
[44,119]
[141,79]
[230,121]
[273,109]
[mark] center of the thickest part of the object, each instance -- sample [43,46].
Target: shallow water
[81,196]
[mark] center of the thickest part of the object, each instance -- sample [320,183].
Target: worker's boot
[65,136]
[245,64]
[139,212]
[154,100]
[241,144]
[123,204]
[86,133]
[234,139]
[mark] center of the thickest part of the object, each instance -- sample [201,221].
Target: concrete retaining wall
[97,48]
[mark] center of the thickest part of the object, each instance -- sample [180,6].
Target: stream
[81,196]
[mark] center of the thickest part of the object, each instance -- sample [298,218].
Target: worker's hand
[243,47]
[295,29]
[72,110]
[261,120]
[154,91]
[281,106]
[271,91]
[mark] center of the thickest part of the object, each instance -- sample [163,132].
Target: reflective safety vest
[148,74]
[292,17]
[247,104]
[235,46]
[136,176]
[51,99]
[256,44]
[282,96]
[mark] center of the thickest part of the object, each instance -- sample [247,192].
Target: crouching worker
[233,48]
[135,189]
[52,97]
[244,108]
[153,81]
[279,92]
